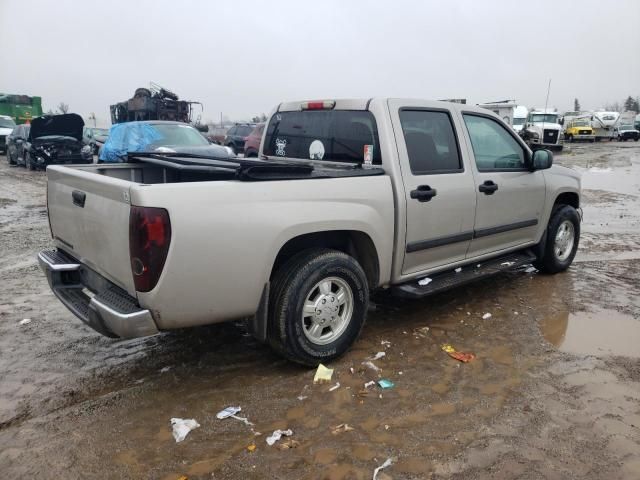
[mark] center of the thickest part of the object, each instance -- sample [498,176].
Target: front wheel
[28,163]
[562,237]
[318,305]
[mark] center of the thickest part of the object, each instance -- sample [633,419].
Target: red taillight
[149,238]
[318,105]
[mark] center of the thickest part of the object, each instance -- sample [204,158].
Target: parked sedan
[16,142]
[252,144]
[157,136]
[627,132]
[237,135]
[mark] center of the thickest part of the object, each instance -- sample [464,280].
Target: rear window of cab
[348,136]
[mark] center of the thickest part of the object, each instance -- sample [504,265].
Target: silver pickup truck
[348,196]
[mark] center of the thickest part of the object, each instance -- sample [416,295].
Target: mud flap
[257,324]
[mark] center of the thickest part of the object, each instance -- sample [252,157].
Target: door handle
[423,193]
[488,187]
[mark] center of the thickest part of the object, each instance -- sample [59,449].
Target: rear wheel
[317,307]
[562,237]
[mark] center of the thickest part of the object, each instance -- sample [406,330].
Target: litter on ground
[26,321]
[387,463]
[251,447]
[343,427]
[386,343]
[182,427]
[507,264]
[458,270]
[335,387]
[302,397]
[464,357]
[323,374]
[277,435]
[425,281]
[227,412]
[165,369]
[385,384]
[288,443]
[378,356]
[369,384]
[371,365]
[486,316]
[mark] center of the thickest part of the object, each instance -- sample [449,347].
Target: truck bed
[228,223]
[161,168]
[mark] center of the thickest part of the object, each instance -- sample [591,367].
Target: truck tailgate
[89,217]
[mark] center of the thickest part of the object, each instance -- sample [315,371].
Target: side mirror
[541,160]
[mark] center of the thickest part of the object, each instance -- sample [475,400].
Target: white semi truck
[542,130]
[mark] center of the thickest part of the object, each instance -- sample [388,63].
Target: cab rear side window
[332,135]
[431,142]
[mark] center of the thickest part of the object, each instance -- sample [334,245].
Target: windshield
[101,131]
[581,123]
[626,127]
[518,121]
[546,118]
[178,135]
[244,130]
[7,123]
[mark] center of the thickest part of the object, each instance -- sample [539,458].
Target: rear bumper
[96,301]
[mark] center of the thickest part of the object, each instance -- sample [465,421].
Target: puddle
[599,333]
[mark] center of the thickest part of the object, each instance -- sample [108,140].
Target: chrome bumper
[108,309]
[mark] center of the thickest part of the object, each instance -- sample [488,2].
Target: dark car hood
[67,125]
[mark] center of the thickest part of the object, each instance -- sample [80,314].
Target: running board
[468,273]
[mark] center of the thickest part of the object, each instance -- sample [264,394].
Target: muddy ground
[554,392]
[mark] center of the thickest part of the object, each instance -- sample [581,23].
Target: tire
[27,162]
[560,249]
[635,139]
[10,159]
[313,277]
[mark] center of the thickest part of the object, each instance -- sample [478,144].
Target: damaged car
[56,139]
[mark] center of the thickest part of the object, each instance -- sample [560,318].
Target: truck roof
[363,104]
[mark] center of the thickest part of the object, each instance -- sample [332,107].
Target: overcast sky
[244,57]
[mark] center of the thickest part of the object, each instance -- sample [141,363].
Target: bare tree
[63,107]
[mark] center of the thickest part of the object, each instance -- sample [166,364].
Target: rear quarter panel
[226,236]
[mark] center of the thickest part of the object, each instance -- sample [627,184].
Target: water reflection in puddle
[599,333]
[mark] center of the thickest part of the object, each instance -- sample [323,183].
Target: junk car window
[331,135]
[493,147]
[182,135]
[244,131]
[430,141]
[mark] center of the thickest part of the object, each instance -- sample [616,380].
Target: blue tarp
[128,137]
